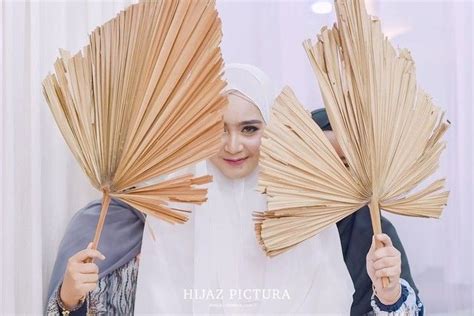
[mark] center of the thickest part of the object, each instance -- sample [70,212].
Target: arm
[355,232]
[397,298]
[79,279]
[53,308]
[356,237]
[120,240]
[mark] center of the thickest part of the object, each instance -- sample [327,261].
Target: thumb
[384,240]
[89,246]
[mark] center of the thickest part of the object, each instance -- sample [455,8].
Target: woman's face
[240,147]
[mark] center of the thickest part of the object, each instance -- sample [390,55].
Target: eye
[248,130]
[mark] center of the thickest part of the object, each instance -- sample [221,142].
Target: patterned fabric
[408,305]
[114,295]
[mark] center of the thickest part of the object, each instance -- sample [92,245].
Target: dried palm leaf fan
[388,128]
[143,99]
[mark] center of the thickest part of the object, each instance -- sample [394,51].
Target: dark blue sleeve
[355,232]
[398,304]
[82,311]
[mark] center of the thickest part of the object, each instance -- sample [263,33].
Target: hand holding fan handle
[100,224]
[377,227]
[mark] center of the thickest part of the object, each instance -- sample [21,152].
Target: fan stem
[377,228]
[103,214]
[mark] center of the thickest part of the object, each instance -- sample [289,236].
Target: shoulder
[122,220]
[359,224]
[117,210]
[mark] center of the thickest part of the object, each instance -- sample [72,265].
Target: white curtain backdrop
[41,185]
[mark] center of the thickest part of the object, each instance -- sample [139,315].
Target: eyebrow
[250,122]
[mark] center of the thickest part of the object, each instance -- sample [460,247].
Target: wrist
[389,296]
[69,302]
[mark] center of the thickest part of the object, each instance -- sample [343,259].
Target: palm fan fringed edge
[142,100]
[307,189]
[388,128]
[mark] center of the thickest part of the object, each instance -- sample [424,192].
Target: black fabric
[394,307]
[321,118]
[82,311]
[355,232]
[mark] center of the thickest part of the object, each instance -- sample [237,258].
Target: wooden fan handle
[100,224]
[377,227]
[385,280]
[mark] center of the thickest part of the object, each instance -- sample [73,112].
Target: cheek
[252,145]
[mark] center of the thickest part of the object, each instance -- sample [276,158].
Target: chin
[234,174]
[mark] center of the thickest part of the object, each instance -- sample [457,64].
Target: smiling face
[240,147]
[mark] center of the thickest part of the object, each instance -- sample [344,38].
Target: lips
[235,162]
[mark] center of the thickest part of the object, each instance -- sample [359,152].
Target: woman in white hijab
[213,264]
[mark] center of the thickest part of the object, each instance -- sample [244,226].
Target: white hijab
[213,264]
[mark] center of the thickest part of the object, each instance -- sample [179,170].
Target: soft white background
[41,185]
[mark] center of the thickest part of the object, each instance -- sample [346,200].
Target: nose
[232,143]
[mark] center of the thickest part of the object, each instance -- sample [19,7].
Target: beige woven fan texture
[389,129]
[142,100]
